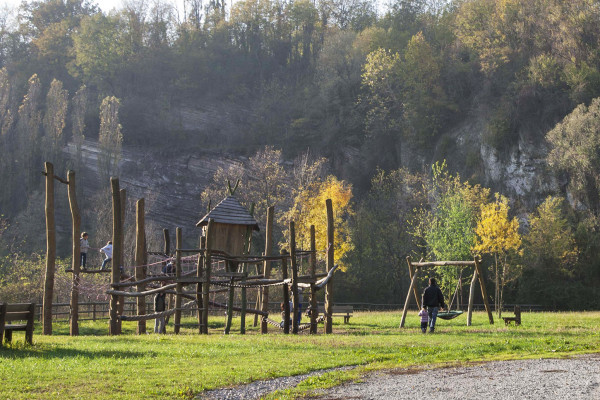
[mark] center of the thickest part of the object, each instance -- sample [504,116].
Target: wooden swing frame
[413,271]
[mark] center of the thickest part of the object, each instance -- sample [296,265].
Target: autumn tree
[499,236]
[110,139]
[78,112]
[263,181]
[7,116]
[309,209]
[381,237]
[446,224]
[549,254]
[54,121]
[575,150]
[29,130]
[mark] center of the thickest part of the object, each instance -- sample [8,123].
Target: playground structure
[413,270]
[222,260]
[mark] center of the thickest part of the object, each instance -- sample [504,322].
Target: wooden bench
[516,318]
[16,312]
[339,311]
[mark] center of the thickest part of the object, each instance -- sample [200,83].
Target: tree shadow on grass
[20,350]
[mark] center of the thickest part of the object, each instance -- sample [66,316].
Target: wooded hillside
[503,90]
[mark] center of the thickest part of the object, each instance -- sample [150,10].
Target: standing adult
[159,306]
[433,299]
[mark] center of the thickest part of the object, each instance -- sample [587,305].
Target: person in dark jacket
[433,299]
[159,306]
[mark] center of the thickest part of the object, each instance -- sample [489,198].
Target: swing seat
[449,314]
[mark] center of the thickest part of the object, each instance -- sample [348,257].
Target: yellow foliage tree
[309,209]
[499,236]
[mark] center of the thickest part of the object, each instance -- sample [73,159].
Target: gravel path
[257,389]
[574,378]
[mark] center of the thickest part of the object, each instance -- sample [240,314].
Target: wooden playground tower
[225,240]
[413,270]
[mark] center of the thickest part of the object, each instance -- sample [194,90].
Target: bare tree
[110,139]
[57,104]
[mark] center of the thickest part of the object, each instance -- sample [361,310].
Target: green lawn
[95,365]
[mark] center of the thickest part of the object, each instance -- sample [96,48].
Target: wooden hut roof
[229,211]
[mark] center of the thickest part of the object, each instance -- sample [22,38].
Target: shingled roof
[229,211]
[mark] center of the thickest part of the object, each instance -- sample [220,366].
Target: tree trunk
[76,262]
[50,250]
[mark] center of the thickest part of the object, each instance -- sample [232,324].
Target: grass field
[95,365]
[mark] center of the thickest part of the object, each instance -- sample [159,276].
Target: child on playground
[83,248]
[107,250]
[159,306]
[424,319]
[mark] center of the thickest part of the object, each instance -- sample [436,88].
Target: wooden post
[140,259]
[121,299]
[247,244]
[199,274]
[483,291]
[116,239]
[415,291]
[330,260]
[295,296]
[50,250]
[167,253]
[264,307]
[207,273]
[286,295]
[471,297]
[410,289]
[76,262]
[179,287]
[314,309]
[230,267]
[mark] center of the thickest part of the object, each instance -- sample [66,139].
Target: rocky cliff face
[170,184]
[520,173]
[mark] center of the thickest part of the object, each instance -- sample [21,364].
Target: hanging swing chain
[456,290]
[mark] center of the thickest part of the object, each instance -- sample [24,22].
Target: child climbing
[424,319]
[83,248]
[107,250]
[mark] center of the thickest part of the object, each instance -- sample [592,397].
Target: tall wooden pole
[50,250]
[76,262]
[471,296]
[483,291]
[330,261]
[314,310]
[117,251]
[410,273]
[167,253]
[295,297]
[267,266]
[121,299]
[179,287]
[199,286]
[410,289]
[231,266]
[140,260]
[246,250]
[207,273]
[286,295]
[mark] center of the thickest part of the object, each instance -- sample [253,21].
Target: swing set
[413,270]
